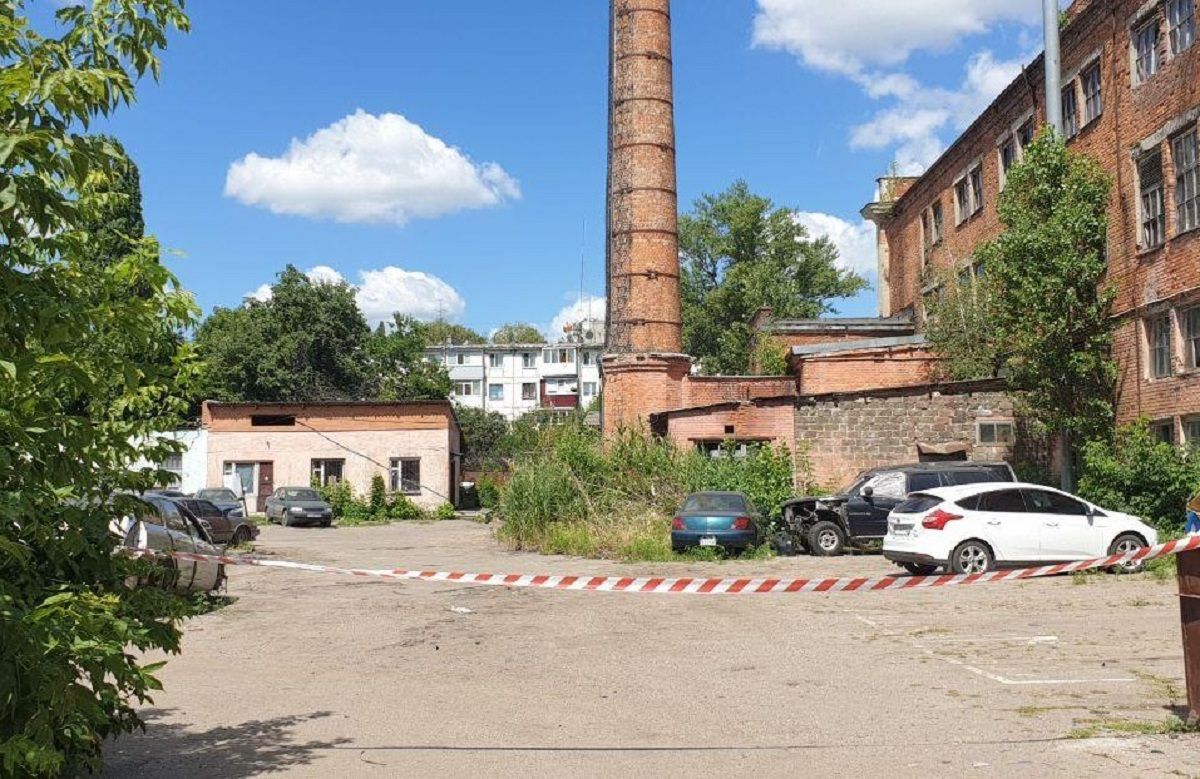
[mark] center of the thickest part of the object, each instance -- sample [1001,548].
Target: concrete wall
[1136,118]
[847,436]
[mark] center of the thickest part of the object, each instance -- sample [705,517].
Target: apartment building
[514,379]
[1131,100]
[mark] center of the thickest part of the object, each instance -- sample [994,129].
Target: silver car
[165,527]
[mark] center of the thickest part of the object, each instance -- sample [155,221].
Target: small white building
[189,469]
[514,379]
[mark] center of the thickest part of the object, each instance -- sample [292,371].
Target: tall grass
[575,494]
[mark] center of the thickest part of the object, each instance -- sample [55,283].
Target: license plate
[708,541]
[900,530]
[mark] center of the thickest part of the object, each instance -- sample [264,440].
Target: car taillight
[937,519]
[741,523]
[677,524]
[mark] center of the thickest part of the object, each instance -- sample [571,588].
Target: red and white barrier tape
[715,586]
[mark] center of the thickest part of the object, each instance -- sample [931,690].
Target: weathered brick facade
[846,434]
[769,420]
[854,369]
[1139,117]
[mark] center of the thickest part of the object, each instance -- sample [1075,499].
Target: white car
[977,527]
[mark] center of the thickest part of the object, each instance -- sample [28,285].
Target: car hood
[819,501]
[307,504]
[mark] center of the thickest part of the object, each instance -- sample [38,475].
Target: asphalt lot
[320,675]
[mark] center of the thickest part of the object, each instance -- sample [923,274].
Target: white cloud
[855,241]
[388,290]
[367,168]
[589,307]
[832,37]
[850,36]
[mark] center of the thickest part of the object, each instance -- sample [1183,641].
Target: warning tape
[714,586]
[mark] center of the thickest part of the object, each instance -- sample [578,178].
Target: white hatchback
[977,527]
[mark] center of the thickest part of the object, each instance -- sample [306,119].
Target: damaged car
[857,516]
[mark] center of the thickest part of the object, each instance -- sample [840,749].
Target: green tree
[87,371]
[486,438]
[741,252]
[1048,300]
[440,332]
[111,207]
[518,333]
[961,319]
[397,364]
[308,342]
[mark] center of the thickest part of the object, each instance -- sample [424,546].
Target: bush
[445,511]
[1136,473]
[488,490]
[576,495]
[378,501]
[400,507]
[337,494]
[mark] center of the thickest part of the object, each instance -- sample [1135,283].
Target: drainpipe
[1053,62]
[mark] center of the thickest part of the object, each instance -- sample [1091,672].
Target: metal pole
[1054,116]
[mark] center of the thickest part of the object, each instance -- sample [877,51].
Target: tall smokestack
[643,242]
[644,370]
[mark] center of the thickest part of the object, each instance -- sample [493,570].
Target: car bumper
[898,556]
[727,539]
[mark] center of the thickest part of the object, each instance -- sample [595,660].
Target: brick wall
[1135,119]
[706,390]
[846,436]
[867,369]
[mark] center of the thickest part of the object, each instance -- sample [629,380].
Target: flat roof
[858,346]
[843,324]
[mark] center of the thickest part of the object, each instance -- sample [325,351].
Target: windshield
[708,502]
[216,495]
[301,494]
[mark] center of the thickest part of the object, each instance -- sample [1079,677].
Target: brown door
[266,485]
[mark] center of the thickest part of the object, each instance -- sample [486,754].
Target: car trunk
[707,523]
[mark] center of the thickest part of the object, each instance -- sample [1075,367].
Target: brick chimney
[643,365]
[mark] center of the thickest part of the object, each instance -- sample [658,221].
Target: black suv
[858,515]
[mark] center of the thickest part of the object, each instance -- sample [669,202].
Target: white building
[188,468]
[514,379]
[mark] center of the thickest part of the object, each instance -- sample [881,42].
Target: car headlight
[296,510]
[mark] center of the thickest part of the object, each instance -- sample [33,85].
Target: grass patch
[1091,728]
[1162,569]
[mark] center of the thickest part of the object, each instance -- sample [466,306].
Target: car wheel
[784,544]
[916,569]
[971,557]
[1125,544]
[240,536]
[326,523]
[826,539]
[283,519]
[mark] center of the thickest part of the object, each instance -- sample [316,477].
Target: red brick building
[1131,100]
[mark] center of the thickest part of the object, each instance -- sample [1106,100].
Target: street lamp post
[1054,117]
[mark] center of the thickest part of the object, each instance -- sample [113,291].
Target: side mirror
[867,491]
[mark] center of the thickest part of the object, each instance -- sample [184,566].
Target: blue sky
[453,150]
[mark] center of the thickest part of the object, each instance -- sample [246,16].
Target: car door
[271,506]
[182,541]
[220,526]
[207,572]
[1067,531]
[868,514]
[1008,526]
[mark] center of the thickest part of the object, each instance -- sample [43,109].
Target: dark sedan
[716,519]
[223,498]
[298,506]
[224,527]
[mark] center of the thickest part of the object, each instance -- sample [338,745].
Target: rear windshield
[714,503]
[301,495]
[216,495]
[917,503]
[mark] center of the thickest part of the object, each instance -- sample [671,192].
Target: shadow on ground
[245,749]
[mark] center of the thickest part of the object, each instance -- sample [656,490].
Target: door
[207,573]
[266,485]
[867,514]
[1066,531]
[1008,526]
[181,541]
[219,525]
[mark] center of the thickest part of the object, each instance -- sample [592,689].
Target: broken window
[1186,157]
[1070,111]
[1191,336]
[1181,22]
[938,222]
[1093,99]
[1145,52]
[1150,180]
[1158,334]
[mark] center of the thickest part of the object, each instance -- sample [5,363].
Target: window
[460,358]
[526,360]
[327,472]
[977,189]
[173,463]
[1003,501]
[496,360]
[1163,431]
[926,236]
[1191,432]
[1154,218]
[923,481]
[968,194]
[589,389]
[170,513]
[404,475]
[1181,21]
[495,392]
[588,358]
[889,484]
[1047,502]
[1070,111]
[272,420]
[1158,334]
[529,390]
[1145,52]
[1093,100]
[465,389]
[996,433]
[939,224]
[1008,158]
[727,448]
[1191,337]
[1025,134]
[559,356]
[1186,156]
